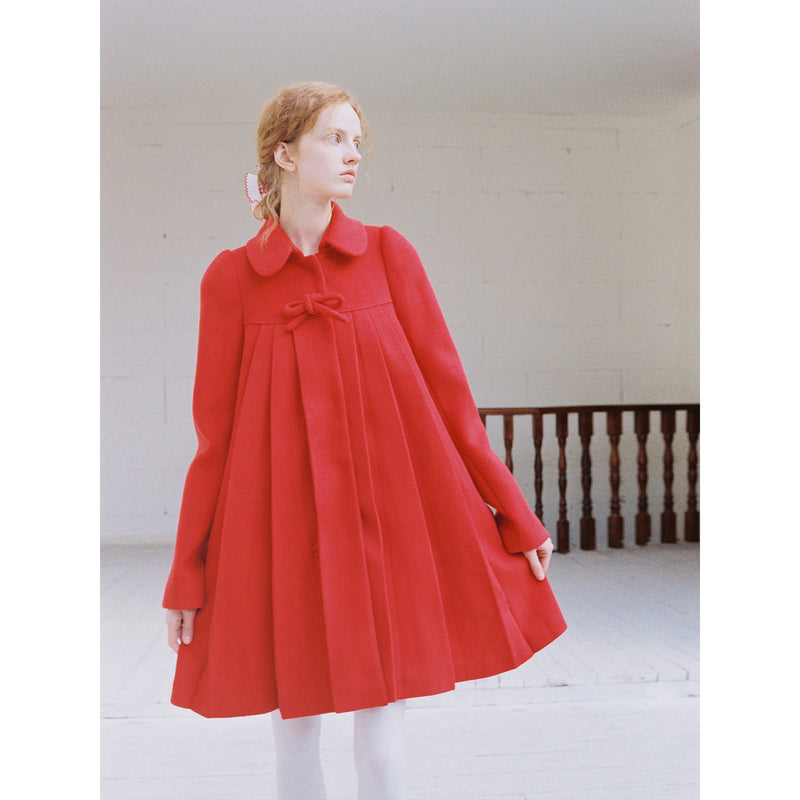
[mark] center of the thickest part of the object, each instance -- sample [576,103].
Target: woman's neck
[305,223]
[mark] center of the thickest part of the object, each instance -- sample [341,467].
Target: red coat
[335,529]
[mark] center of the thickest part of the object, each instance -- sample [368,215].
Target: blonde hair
[292,112]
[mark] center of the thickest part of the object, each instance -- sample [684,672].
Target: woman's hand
[539,559]
[180,627]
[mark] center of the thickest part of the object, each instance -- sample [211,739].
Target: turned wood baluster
[643,523]
[538,482]
[562,528]
[668,524]
[508,438]
[692,517]
[585,430]
[615,521]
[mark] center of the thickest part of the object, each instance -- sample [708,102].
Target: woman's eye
[357,145]
[335,138]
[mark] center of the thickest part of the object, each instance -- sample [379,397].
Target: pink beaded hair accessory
[253,190]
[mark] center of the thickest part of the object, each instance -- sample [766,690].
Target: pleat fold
[352,656]
[237,562]
[420,636]
[459,524]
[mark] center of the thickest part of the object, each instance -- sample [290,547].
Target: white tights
[378,749]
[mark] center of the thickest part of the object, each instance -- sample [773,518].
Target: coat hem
[268,708]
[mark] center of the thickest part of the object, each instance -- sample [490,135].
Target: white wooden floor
[610,711]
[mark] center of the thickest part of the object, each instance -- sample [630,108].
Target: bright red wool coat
[335,529]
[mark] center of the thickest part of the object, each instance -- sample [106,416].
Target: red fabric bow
[311,305]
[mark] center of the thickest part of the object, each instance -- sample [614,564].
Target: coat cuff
[186,590]
[519,538]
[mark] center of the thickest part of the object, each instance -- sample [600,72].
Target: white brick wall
[564,252]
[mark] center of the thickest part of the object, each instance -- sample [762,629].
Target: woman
[347,537]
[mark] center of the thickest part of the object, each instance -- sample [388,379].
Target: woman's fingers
[180,627]
[539,559]
[173,628]
[544,554]
[188,626]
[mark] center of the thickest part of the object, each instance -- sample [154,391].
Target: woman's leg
[297,763]
[379,750]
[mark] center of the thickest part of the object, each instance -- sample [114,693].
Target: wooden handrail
[614,417]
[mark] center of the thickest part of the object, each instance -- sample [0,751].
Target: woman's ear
[283,157]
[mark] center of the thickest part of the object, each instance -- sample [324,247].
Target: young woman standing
[347,537]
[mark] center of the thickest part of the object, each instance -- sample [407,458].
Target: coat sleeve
[425,328]
[216,376]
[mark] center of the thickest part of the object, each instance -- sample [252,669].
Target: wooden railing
[667,415]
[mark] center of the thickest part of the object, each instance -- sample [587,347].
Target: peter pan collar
[267,256]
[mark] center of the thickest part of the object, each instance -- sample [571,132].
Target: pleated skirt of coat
[351,561]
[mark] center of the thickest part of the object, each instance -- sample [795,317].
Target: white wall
[564,251]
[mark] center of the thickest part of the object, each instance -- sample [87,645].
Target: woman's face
[325,159]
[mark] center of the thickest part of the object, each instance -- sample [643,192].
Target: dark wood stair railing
[614,415]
